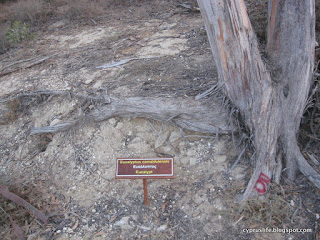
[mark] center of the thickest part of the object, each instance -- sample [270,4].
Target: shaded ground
[72,173]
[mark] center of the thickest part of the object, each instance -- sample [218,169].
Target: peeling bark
[270,104]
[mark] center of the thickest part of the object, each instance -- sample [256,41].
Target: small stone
[112,121]
[93,210]
[220,158]
[119,125]
[185,160]
[88,81]
[193,161]
[317,216]
[58,24]
[55,122]
[174,136]
[162,228]
[58,231]
[124,223]
[167,149]
[161,139]
[191,152]
[292,203]
[98,84]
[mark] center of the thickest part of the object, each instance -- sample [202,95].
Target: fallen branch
[100,98]
[18,200]
[117,64]
[237,161]
[30,62]
[16,228]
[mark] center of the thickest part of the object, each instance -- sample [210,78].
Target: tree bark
[271,104]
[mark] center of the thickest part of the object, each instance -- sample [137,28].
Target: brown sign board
[145,168]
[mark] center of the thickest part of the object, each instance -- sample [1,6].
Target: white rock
[162,228]
[167,149]
[119,125]
[88,81]
[124,223]
[193,161]
[55,122]
[112,121]
[185,160]
[58,24]
[174,136]
[161,139]
[220,158]
[98,84]
[292,203]
[191,152]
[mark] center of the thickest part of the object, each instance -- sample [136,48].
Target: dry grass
[39,14]
[4,44]
[28,10]
[278,207]
[78,9]
[37,195]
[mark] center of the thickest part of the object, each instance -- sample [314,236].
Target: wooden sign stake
[144,168]
[145,191]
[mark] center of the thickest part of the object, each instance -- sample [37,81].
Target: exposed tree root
[203,116]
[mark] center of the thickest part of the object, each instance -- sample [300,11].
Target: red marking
[263,182]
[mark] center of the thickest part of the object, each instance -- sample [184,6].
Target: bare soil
[70,175]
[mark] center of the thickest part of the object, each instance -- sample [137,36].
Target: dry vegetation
[38,14]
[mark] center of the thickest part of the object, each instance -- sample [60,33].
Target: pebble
[162,228]
[98,84]
[119,125]
[112,121]
[124,223]
[193,161]
[292,203]
[88,81]
[174,136]
[161,139]
[55,122]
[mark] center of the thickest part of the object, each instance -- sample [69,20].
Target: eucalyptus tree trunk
[271,97]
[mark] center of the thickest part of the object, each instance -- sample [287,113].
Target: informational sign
[148,168]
